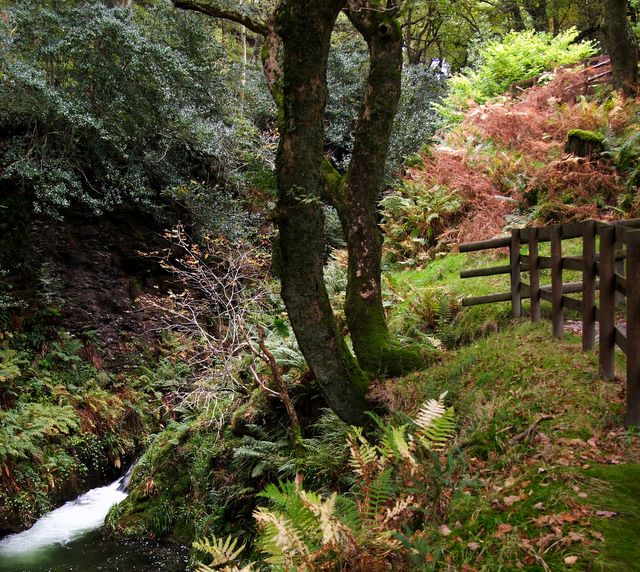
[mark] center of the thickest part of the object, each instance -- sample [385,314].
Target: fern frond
[286,500]
[436,436]
[436,424]
[395,445]
[400,506]
[430,411]
[382,489]
[223,552]
[364,456]
[332,529]
[280,539]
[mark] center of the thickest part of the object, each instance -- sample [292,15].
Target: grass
[429,301]
[532,504]
[618,490]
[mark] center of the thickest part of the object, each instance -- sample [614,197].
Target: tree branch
[215,12]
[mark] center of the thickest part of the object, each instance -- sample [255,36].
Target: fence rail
[613,270]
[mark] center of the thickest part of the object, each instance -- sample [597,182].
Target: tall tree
[300,90]
[622,45]
[355,195]
[299,87]
[300,216]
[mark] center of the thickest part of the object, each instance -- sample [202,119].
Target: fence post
[514,261]
[633,328]
[556,280]
[534,275]
[606,314]
[589,285]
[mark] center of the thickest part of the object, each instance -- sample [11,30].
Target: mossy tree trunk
[356,198]
[622,44]
[302,31]
[305,28]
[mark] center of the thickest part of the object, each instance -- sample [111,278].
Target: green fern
[222,552]
[436,424]
[381,490]
[305,530]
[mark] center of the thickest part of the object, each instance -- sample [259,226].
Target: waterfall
[70,521]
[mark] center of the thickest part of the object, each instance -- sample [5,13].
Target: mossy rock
[584,143]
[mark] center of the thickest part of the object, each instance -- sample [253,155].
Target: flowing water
[67,539]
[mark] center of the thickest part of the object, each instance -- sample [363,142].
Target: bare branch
[216,12]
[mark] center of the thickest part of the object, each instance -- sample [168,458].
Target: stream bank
[69,539]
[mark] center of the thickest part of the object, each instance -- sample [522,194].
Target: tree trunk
[305,28]
[512,8]
[356,204]
[622,44]
[537,10]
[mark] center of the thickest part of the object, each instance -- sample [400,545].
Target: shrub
[104,106]
[370,529]
[517,56]
[414,217]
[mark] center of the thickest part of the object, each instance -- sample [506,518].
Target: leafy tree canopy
[103,106]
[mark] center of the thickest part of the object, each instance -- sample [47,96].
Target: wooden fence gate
[611,267]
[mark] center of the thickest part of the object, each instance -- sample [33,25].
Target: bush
[517,56]
[414,218]
[104,106]
[415,121]
[401,484]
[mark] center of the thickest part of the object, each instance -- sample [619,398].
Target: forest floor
[551,476]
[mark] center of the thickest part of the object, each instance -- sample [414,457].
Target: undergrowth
[538,427]
[65,424]
[505,165]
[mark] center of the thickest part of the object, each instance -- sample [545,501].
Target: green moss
[617,488]
[382,356]
[333,179]
[586,136]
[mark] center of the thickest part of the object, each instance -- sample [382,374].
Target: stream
[68,539]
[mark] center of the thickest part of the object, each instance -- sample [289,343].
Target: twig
[530,432]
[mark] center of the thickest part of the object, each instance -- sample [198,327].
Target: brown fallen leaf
[605,513]
[502,530]
[570,559]
[510,500]
[576,537]
[444,530]
[473,546]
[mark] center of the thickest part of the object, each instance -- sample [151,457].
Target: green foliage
[625,152]
[61,420]
[415,120]
[27,428]
[346,77]
[517,56]
[104,106]
[303,530]
[414,217]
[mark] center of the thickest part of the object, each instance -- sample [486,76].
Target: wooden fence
[612,268]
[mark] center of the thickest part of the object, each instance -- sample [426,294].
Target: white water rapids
[68,522]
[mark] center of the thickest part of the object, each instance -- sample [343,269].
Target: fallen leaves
[502,529]
[511,500]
